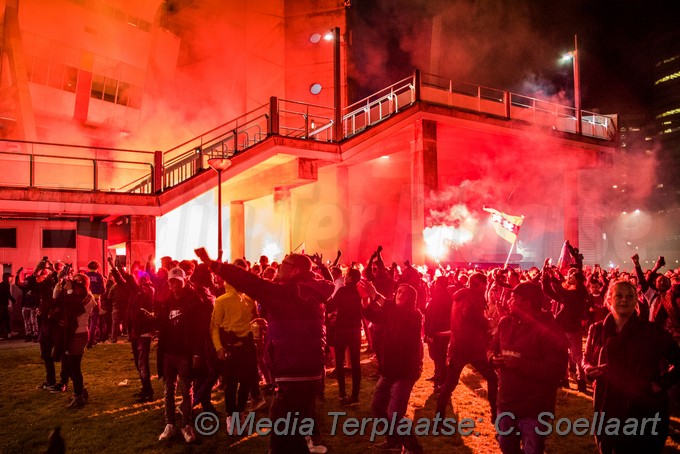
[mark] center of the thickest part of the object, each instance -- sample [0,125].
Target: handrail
[359,115]
[94,184]
[235,120]
[438,90]
[87,147]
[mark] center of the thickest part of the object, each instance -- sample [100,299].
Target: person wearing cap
[178,350]
[530,352]
[294,308]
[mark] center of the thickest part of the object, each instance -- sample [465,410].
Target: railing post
[157,172]
[506,101]
[31,171]
[273,123]
[95,175]
[416,83]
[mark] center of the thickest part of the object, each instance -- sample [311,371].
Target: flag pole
[507,260]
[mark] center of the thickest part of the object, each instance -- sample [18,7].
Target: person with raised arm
[294,307]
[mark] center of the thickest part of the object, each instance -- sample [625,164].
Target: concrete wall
[29,250]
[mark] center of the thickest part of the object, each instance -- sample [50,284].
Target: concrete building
[410,167]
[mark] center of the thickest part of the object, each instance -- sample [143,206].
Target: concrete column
[283,211]
[141,242]
[424,179]
[237,237]
[571,207]
[83,87]
[342,201]
[12,46]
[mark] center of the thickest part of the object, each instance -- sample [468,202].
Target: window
[97,90]
[71,79]
[59,239]
[8,238]
[110,87]
[123,94]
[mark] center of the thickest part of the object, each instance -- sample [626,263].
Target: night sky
[516,45]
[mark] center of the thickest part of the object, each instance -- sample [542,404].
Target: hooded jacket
[529,386]
[294,310]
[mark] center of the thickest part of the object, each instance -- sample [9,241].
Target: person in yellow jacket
[236,351]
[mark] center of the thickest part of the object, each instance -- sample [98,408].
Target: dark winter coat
[403,345]
[529,385]
[636,357]
[296,334]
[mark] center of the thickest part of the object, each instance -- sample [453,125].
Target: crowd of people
[268,329]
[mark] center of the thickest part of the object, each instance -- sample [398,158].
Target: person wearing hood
[294,308]
[530,351]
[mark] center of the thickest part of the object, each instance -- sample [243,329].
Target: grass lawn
[112,422]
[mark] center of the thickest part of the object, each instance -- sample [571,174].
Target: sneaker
[77,402]
[188,434]
[58,388]
[167,433]
[46,386]
[256,405]
[315,449]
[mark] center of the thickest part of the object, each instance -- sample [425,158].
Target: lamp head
[219,164]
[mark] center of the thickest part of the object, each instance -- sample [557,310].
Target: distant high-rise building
[667,116]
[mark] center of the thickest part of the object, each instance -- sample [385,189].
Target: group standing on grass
[239,325]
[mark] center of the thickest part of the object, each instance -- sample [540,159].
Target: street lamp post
[577,87]
[337,98]
[577,83]
[220,165]
[315,88]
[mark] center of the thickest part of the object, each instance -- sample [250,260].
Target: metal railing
[191,157]
[375,108]
[439,90]
[52,165]
[60,166]
[305,121]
